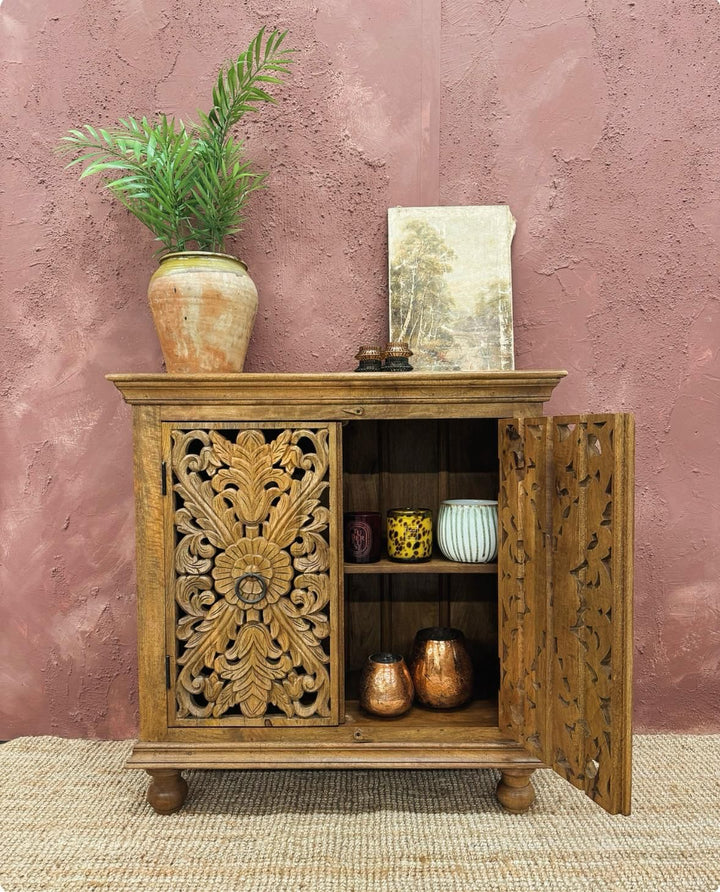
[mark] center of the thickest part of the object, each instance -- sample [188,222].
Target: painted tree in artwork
[421,303]
[493,315]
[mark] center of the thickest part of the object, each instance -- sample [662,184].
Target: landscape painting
[451,286]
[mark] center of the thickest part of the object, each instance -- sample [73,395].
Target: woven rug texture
[71,818]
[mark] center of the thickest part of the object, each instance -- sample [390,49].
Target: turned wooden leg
[515,791]
[167,790]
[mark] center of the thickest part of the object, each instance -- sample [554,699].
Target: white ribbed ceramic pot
[467,530]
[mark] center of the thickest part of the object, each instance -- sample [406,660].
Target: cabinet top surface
[330,387]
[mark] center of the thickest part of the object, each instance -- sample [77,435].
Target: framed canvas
[451,286]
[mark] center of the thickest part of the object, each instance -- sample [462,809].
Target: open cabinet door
[565,597]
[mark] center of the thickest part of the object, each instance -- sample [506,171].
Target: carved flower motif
[253,573]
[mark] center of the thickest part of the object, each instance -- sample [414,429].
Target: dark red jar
[362,537]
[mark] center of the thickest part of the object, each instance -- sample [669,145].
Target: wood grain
[467,737]
[523,581]
[515,791]
[166,791]
[345,396]
[565,597]
[336,578]
[255,572]
[563,623]
[364,597]
[437,564]
[150,564]
[591,643]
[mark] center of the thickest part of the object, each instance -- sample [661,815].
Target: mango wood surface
[523,582]
[464,738]
[515,791]
[437,565]
[254,512]
[151,601]
[565,644]
[167,790]
[343,396]
[406,439]
[591,615]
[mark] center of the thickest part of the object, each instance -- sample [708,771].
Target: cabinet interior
[418,463]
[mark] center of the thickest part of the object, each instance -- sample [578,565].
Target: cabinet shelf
[466,737]
[436,565]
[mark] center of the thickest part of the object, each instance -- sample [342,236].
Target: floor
[72,819]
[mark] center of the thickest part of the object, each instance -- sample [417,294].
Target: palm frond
[188,185]
[236,91]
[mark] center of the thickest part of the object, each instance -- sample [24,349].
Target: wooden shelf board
[437,564]
[466,737]
[348,395]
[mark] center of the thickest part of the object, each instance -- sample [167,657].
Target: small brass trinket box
[396,355]
[369,359]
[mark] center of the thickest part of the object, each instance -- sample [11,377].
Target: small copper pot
[440,667]
[369,359]
[386,688]
[396,355]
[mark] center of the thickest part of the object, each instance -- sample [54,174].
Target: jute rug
[72,819]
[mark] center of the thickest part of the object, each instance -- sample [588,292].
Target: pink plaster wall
[596,122]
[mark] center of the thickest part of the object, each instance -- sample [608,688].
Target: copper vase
[441,669]
[386,688]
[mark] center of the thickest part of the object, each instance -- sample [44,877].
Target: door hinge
[164,478]
[167,672]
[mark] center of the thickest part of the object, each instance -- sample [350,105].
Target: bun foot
[515,792]
[167,790]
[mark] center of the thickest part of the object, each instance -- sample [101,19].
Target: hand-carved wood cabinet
[253,631]
[251,518]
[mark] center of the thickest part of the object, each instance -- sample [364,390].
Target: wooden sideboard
[253,630]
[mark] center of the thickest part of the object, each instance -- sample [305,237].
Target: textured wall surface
[596,122]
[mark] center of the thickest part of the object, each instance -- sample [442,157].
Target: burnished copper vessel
[396,357]
[386,688]
[369,359]
[440,668]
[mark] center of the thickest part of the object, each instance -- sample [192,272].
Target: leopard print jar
[409,534]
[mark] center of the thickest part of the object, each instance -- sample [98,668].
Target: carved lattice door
[565,597]
[253,629]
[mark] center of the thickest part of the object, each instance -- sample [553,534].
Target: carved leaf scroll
[523,581]
[591,647]
[565,514]
[252,563]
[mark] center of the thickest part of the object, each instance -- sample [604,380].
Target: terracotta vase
[385,685]
[204,307]
[440,668]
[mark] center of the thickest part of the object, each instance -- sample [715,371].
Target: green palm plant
[188,184]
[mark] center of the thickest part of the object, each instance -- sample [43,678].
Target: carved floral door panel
[253,520]
[565,596]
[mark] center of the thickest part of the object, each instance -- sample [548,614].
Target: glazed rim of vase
[385,658]
[438,633]
[469,503]
[174,254]
[410,510]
